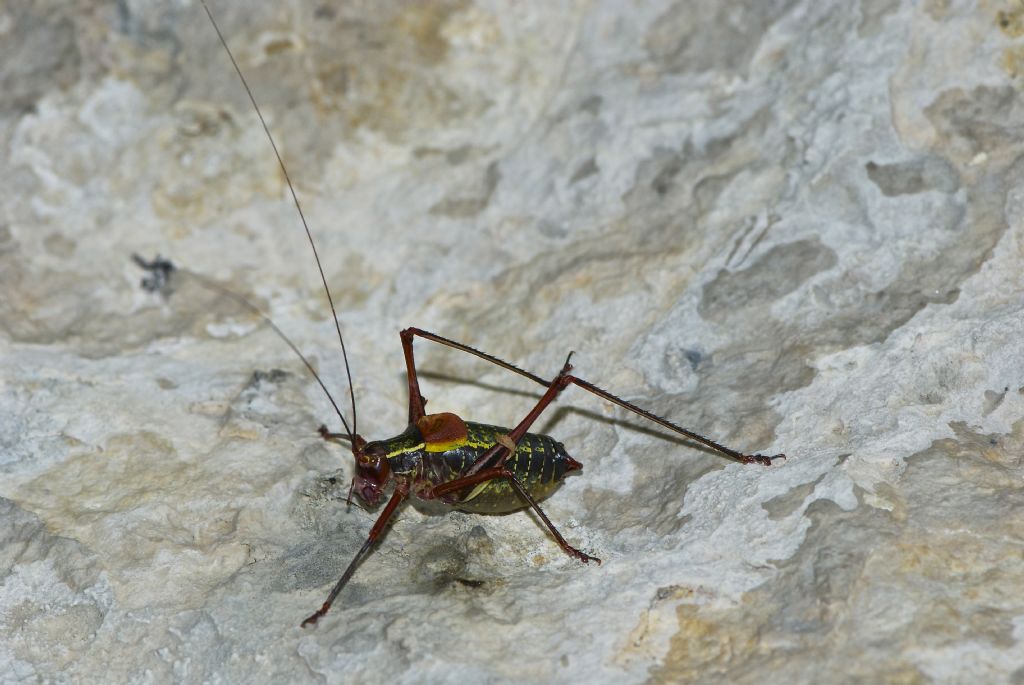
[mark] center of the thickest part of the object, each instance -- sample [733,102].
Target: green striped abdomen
[539,463]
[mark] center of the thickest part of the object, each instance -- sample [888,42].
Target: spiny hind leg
[491,465]
[742,457]
[506,444]
[417,402]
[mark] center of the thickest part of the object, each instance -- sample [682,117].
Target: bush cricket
[471,467]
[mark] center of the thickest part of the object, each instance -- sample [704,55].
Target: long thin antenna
[161,274]
[302,215]
[270,322]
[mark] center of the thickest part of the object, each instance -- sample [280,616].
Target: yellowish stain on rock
[704,646]
[1012,61]
[398,82]
[1011,20]
[643,643]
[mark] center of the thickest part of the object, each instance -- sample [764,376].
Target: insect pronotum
[470,466]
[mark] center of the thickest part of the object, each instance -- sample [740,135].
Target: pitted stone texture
[793,226]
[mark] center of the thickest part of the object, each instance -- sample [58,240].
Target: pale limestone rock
[791,225]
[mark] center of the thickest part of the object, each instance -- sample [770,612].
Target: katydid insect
[469,466]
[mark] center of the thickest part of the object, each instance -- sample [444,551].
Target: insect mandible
[469,466]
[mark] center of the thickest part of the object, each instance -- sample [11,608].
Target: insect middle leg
[497,472]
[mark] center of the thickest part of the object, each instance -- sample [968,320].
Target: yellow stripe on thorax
[404,450]
[445,446]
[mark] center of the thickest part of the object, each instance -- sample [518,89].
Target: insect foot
[761,459]
[582,556]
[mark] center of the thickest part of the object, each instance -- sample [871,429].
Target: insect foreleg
[375,532]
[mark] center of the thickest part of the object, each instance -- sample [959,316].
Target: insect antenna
[309,235]
[162,275]
[270,322]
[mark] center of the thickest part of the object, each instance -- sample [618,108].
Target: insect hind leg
[416,400]
[409,333]
[491,464]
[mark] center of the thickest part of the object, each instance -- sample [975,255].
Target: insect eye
[370,455]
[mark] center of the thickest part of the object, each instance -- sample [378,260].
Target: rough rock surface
[792,225]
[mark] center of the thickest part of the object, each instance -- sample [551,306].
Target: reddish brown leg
[416,400]
[328,435]
[499,454]
[491,465]
[408,333]
[375,532]
[743,458]
[501,472]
